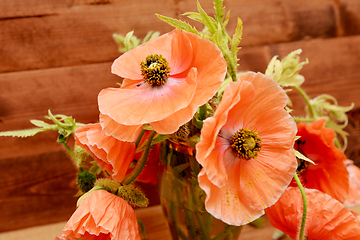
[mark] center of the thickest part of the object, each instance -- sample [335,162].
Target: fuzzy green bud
[133,196]
[85,180]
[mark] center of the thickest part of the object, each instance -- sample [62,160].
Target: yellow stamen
[246,143]
[155,70]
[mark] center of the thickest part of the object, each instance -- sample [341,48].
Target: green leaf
[150,35]
[127,40]
[142,228]
[41,124]
[22,133]
[301,156]
[194,16]
[219,10]
[237,37]
[209,22]
[178,24]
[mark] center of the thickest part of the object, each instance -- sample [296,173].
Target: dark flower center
[302,164]
[246,143]
[155,70]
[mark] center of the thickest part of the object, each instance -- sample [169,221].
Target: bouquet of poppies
[222,145]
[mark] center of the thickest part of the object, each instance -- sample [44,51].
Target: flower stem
[68,150]
[302,228]
[139,137]
[141,163]
[307,100]
[297,119]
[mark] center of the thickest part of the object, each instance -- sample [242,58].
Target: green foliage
[326,106]
[178,24]
[214,30]
[129,41]
[286,71]
[65,125]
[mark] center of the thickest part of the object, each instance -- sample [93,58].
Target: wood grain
[80,32]
[57,55]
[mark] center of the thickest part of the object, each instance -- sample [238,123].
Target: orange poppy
[165,81]
[112,155]
[246,150]
[102,215]
[329,173]
[353,197]
[326,217]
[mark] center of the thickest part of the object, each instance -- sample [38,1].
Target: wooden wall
[56,54]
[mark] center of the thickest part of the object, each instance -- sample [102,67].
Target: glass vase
[182,200]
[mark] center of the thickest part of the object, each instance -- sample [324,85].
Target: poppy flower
[165,81]
[353,197]
[326,217]
[102,215]
[112,155]
[246,150]
[329,173]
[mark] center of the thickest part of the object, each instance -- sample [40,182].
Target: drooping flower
[353,197]
[102,215]
[326,217]
[329,173]
[246,150]
[112,155]
[165,81]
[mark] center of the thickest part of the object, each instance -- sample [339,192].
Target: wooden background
[56,54]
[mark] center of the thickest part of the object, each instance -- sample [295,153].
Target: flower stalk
[302,228]
[141,163]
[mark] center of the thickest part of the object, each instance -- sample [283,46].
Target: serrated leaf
[178,24]
[41,124]
[209,22]
[23,133]
[194,16]
[302,157]
[219,10]
[236,39]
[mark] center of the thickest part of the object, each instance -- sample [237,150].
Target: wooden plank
[26,8]
[350,17]
[36,191]
[155,230]
[269,22]
[82,33]
[332,67]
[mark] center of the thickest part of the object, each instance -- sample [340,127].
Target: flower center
[302,164]
[246,143]
[155,70]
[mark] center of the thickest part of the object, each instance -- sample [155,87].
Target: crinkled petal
[326,217]
[354,184]
[140,104]
[225,204]
[103,215]
[111,154]
[119,131]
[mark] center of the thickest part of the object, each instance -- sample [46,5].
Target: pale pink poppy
[165,81]
[246,150]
